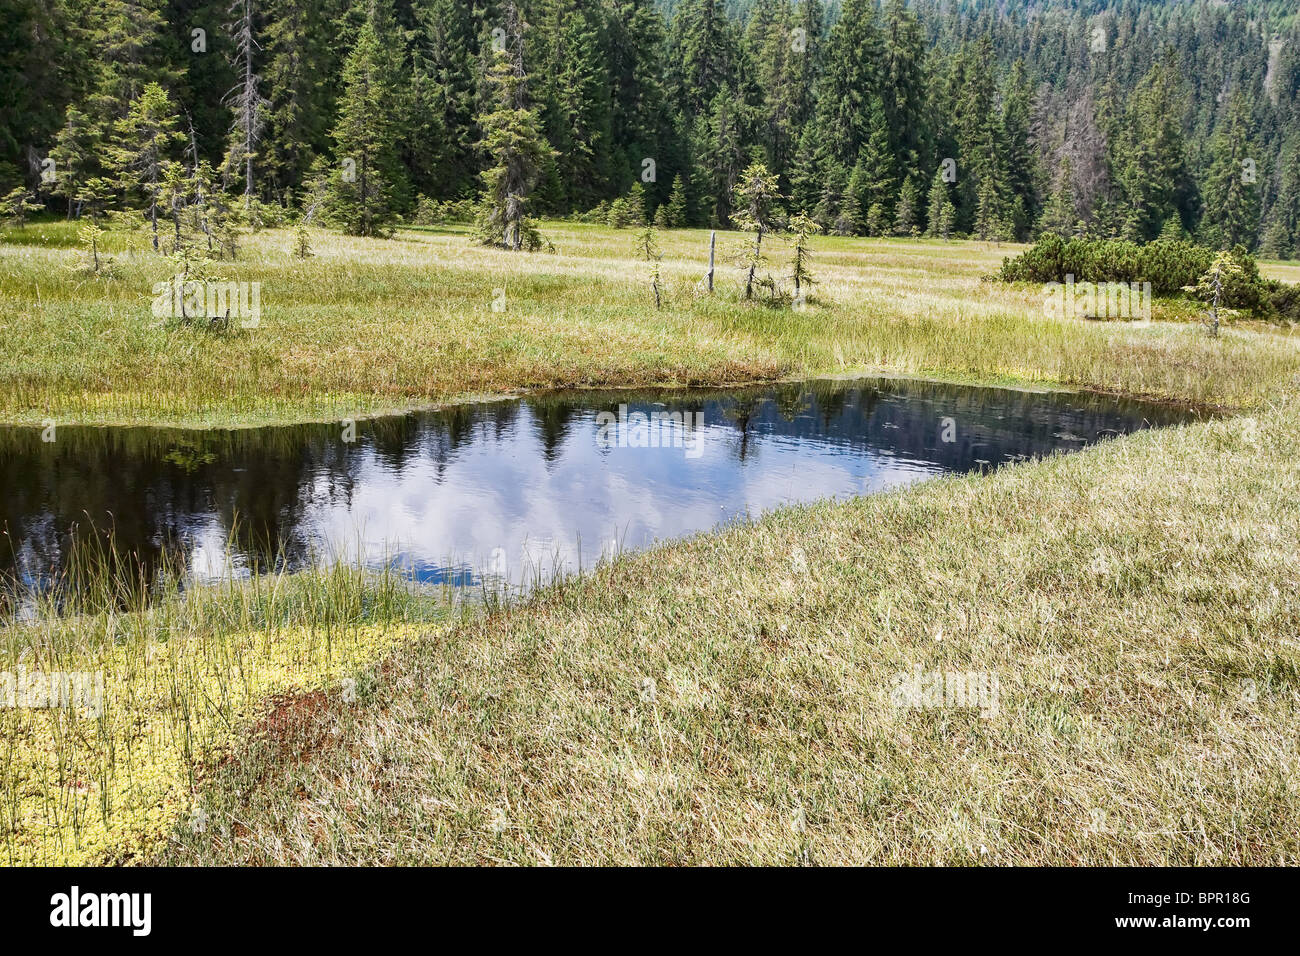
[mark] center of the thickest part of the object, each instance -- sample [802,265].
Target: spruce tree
[1019,160]
[904,88]
[678,213]
[574,91]
[75,156]
[1150,153]
[513,143]
[941,214]
[1059,217]
[989,221]
[757,203]
[803,229]
[851,74]
[1232,188]
[245,100]
[145,141]
[905,212]
[362,192]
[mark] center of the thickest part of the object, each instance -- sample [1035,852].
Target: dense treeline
[1090,117]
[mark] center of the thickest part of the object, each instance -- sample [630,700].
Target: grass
[724,699]
[727,699]
[369,326]
[186,675]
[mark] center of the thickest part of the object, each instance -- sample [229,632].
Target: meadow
[723,699]
[365,327]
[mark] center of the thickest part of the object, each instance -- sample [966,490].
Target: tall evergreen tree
[368,182]
[1232,186]
[574,91]
[513,143]
[1150,156]
[145,144]
[851,74]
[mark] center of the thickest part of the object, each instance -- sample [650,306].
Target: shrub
[431,212]
[1170,265]
[1283,299]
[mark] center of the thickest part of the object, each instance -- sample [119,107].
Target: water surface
[514,489]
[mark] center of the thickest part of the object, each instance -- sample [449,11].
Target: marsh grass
[727,699]
[723,699]
[187,669]
[369,326]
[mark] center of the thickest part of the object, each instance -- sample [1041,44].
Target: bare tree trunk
[753,264]
[244,99]
[713,239]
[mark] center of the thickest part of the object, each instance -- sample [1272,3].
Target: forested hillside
[999,120]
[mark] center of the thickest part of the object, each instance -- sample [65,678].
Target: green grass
[728,699]
[369,326]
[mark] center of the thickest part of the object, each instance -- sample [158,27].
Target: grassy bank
[728,699]
[367,326]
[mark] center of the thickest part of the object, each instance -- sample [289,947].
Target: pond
[512,491]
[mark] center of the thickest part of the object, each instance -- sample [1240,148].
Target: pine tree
[1231,189]
[906,210]
[144,142]
[513,142]
[757,206]
[941,214]
[362,194]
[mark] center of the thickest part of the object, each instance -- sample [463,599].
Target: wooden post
[713,238]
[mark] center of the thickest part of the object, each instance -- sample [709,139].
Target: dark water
[513,489]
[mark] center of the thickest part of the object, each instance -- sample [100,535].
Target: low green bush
[1172,266]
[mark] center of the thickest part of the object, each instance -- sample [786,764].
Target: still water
[512,491]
